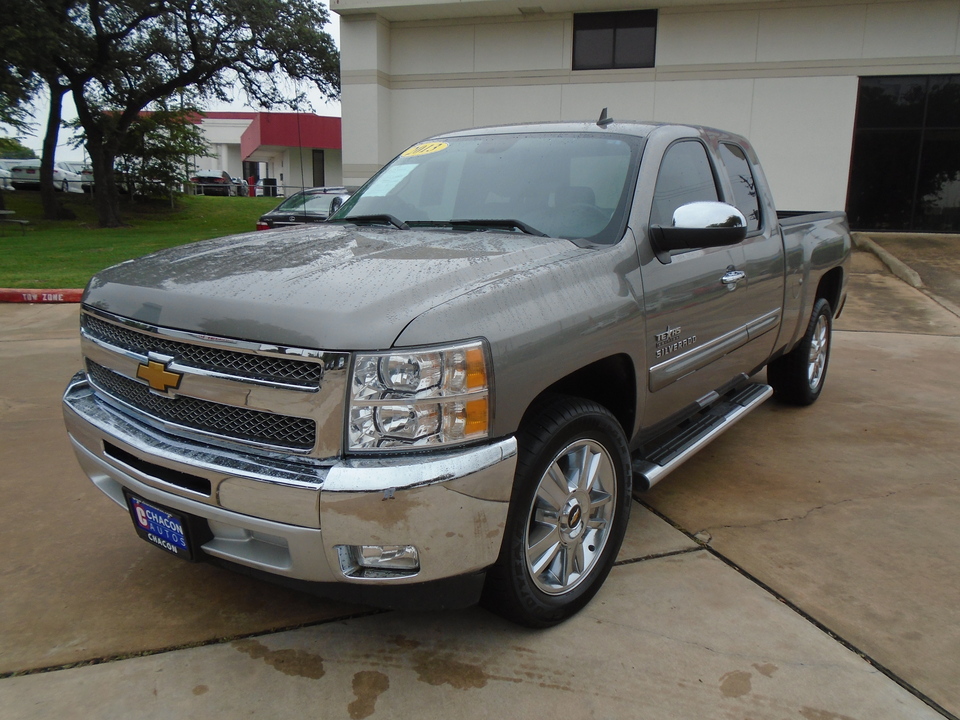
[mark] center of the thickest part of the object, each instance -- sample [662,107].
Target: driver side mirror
[699,225]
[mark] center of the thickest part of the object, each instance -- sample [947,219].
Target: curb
[19,295]
[895,265]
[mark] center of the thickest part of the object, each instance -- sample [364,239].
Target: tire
[797,378]
[64,186]
[565,527]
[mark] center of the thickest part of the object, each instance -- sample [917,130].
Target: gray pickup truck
[448,392]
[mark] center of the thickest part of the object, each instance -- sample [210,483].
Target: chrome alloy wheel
[819,347]
[571,517]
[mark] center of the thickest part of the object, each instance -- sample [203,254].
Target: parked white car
[26,175]
[83,170]
[6,164]
[268,189]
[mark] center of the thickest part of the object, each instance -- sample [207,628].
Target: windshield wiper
[484,223]
[374,220]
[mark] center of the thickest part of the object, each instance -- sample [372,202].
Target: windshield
[562,185]
[307,203]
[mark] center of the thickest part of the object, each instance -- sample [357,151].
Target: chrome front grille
[228,362]
[209,417]
[223,391]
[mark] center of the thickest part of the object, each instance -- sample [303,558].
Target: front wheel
[797,377]
[568,513]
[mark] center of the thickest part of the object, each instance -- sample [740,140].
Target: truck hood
[330,287]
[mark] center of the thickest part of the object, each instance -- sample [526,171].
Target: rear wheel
[568,514]
[797,377]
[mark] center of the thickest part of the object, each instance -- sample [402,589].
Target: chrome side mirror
[699,225]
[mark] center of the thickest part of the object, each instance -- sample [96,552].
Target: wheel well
[610,382]
[830,287]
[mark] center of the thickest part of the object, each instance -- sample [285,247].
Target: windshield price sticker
[424,149]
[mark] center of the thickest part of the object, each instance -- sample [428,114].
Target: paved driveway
[803,566]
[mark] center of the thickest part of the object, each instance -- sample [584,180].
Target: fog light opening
[378,561]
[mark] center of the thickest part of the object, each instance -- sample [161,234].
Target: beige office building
[850,104]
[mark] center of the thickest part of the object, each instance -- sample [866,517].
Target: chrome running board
[675,447]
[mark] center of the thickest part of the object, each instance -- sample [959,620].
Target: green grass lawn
[66,253]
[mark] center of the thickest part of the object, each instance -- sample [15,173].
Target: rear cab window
[745,196]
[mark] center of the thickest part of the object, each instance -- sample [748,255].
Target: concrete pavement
[843,518]
[679,637]
[933,258]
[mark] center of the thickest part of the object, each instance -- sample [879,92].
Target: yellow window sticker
[424,149]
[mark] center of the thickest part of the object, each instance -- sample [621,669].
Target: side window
[744,186]
[685,177]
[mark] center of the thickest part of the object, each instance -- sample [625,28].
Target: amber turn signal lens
[478,417]
[476,369]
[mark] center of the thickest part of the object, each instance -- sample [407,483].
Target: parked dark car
[214,182]
[308,206]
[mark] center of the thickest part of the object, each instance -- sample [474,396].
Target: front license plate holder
[160,526]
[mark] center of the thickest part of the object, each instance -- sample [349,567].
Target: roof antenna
[604,120]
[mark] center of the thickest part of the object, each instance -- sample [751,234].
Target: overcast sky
[34,141]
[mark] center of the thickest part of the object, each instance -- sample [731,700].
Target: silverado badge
[158,377]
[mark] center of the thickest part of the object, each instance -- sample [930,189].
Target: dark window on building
[744,186]
[905,169]
[607,40]
[685,176]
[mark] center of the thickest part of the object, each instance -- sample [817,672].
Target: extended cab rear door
[763,261]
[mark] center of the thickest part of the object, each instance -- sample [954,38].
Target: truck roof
[629,127]
[641,129]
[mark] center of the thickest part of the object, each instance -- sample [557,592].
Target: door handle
[732,277]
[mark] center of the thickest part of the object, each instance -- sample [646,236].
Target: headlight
[414,398]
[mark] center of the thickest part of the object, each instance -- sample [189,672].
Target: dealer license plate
[157,525]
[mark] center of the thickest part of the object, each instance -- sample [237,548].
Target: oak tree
[118,58]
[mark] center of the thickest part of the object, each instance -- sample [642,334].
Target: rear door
[763,261]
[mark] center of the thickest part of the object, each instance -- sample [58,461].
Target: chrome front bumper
[288,516]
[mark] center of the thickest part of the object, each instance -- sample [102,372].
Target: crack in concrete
[796,518]
[657,556]
[930,702]
[187,645]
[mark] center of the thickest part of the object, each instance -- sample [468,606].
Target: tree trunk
[106,195]
[52,209]
[103,154]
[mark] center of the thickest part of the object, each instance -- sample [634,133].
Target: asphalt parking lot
[802,566]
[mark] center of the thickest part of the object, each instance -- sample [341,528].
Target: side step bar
[676,447]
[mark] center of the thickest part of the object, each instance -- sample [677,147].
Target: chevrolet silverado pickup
[448,392]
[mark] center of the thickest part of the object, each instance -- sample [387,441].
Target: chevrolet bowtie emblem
[158,377]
